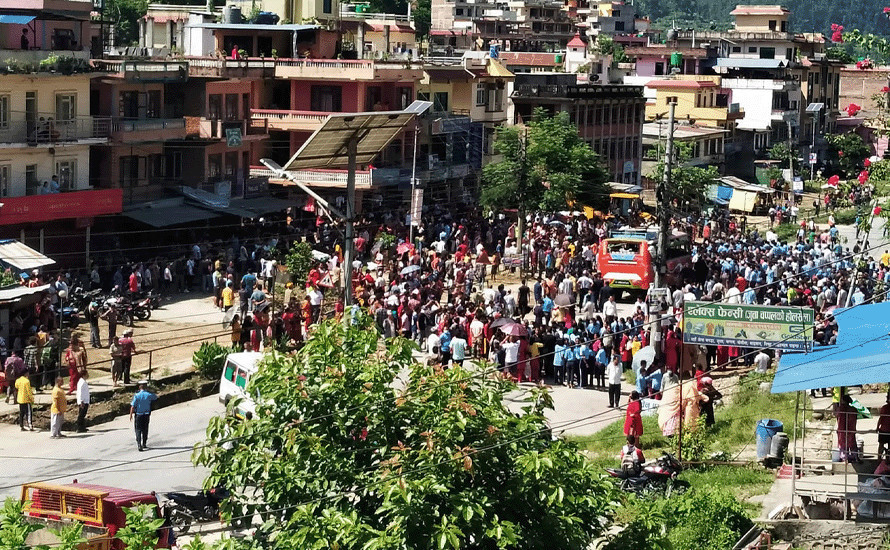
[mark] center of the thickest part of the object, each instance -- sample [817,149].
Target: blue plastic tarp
[16,19]
[861,355]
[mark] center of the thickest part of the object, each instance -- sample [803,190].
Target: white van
[236,374]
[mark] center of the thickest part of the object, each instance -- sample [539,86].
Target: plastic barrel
[779,445]
[765,431]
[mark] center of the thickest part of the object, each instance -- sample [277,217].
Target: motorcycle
[658,476]
[70,317]
[125,310]
[184,509]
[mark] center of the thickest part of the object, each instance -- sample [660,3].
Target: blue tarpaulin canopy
[16,19]
[861,355]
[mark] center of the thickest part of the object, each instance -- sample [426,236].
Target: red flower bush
[853,109]
[885,89]
[833,180]
[863,177]
[837,33]
[865,64]
[867,162]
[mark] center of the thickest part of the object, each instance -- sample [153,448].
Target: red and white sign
[60,206]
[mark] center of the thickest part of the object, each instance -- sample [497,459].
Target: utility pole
[349,249]
[414,207]
[661,199]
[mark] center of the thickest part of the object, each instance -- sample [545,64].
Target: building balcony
[716,113]
[14,60]
[759,84]
[48,133]
[231,68]
[212,128]
[147,129]
[306,121]
[349,69]
[144,70]
[752,36]
[348,11]
[142,190]
[57,206]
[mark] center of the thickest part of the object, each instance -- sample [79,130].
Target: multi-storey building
[46,129]
[609,117]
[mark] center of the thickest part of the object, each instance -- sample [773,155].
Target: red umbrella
[404,247]
[514,329]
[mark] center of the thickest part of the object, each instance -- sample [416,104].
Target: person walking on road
[613,377]
[25,399]
[141,407]
[128,350]
[58,409]
[76,359]
[83,401]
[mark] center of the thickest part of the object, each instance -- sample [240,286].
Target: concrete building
[609,117]
[705,145]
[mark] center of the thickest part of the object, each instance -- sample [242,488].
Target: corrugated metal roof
[15,293]
[746,63]
[164,215]
[861,355]
[21,256]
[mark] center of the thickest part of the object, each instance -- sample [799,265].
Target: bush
[706,520]
[299,262]
[210,359]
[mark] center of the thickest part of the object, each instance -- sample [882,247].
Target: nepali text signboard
[719,324]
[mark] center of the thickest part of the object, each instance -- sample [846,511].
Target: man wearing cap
[141,407]
[128,350]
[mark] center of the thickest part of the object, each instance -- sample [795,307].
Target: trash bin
[765,431]
[779,446]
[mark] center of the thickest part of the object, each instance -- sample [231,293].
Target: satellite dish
[594,77]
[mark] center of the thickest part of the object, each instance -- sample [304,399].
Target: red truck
[100,509]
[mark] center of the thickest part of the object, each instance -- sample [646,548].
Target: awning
[21,256]
[861,355]
[261,205]
[742,200]
[15,293]
[624,196]
[162,214]
[16,19]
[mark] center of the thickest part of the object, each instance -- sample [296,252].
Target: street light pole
[414,207]
[349,249]
[661,198]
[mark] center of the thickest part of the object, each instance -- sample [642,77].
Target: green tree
[125,14]
[781,152]
[347,451]
[848,152]
[299,261]
[140,532]
[423,17]
[546,166]
[689,184]
[15,528]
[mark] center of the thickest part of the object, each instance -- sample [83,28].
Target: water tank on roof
[676,59]
[266,18]
[672,34]
[231,15]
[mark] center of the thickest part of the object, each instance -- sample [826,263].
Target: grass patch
[787,232]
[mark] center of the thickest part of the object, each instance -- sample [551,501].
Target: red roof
[759,10]
[576,42]
[691,84]
[529,59]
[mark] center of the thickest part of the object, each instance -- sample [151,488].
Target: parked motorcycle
[183,509]
[658,476]
[70,317]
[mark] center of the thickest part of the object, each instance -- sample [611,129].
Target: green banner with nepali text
[720,324]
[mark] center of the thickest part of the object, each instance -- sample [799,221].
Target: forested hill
[806,15]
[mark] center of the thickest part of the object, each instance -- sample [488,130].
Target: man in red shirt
[128,350]
[134,282]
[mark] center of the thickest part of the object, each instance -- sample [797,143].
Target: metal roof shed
[22,257]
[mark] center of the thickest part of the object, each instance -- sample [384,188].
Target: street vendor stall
[861,356]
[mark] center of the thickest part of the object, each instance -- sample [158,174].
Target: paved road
[107,454]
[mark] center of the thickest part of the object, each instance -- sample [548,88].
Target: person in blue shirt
[547,309]
[141,408]
[599,372]
[559,362]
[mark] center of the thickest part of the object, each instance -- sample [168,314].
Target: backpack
[630,463]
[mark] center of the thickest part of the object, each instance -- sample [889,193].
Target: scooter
[660,475]
[184,509]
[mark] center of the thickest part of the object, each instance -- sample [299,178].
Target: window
[153,105]
[230,372]
[440,102]
[670,99]
[736,49]
[66,107]
[232,107]
[784,26]
[458,11]
[5,170]
[241,379]
[619,25]
[772,24]
[659,67]
[4,112]
[789,53]
[374,99]
[767,53]
[423,96]
[214,167]
[67,172]
[752,49]
[231,165]
[326,6]
[480,94]
[326,98]
[129,170]
[214,107]
[31,178]
[404,94]
[616,13]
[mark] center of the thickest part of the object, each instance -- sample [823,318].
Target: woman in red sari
[846,429]
[633,419]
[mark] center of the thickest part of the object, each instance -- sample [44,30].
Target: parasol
[500,322]
[410,269]
[646,354]
[404,247]
[514,329]
[564,300]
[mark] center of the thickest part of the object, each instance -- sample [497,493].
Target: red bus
[625,259]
